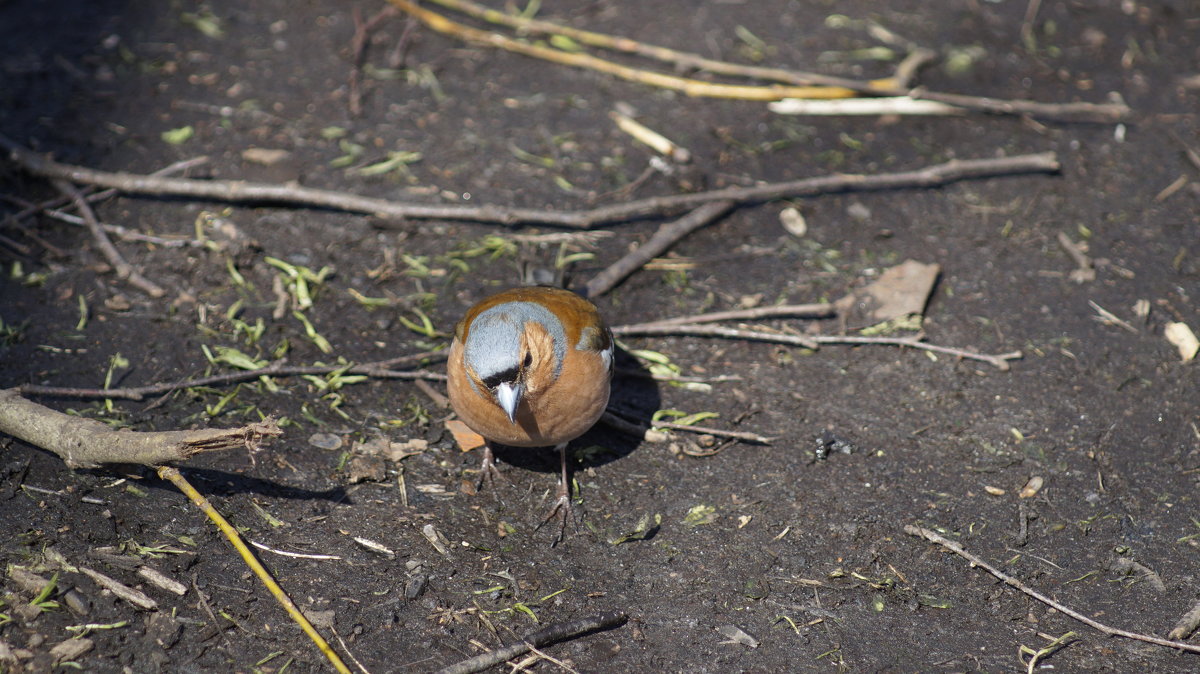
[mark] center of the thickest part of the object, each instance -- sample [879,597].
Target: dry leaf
[900,291]
[464,437]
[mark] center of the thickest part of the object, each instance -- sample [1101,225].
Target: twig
[957,549]
[297,555]
[1105,316]
[433,394]
[1187,624]
[818,310]
[1085,270]
[542,637]
[681,60]
[666,236]
[999,361]
[690,87]
[82,442]
[358,49]
[30,209]
[375,369]
[129,594]
[645,329]
[736,435]
[242,192]
[173,475]
[124,270]
[124,233]
[834,87]
[890,105]
[634,429]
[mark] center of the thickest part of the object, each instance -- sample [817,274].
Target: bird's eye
[528,360]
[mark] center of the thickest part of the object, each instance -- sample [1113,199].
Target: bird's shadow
[634,392]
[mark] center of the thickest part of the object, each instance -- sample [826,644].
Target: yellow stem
[172,474]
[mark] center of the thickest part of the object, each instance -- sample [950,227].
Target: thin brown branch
[647,329]
[719,432]
[637,430]
[818,310]
[124,270]
[101,195]
[957,549]
[542,637]
[358,50]
[82,442]
[666,236]
[381,369]
[999,361]
[245,192]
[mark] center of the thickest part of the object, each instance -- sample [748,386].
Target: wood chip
[793,222]
[1181,337]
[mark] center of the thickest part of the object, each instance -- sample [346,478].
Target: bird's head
[512,351]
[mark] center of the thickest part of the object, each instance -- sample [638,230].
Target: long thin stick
[677,58]
[646,329]
[381,369]
[690,87]
[172,474]
[818,310]
[237,191]
[834,87]
[550,634]
[1009,580]
[999,361]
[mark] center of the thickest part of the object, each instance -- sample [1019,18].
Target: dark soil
[805,555]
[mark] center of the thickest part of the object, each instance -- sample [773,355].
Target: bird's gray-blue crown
[493,344]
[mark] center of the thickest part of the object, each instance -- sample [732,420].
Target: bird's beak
[509,397]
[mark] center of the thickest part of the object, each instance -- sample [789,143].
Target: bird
[531,367]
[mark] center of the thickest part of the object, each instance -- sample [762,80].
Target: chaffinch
[530,367]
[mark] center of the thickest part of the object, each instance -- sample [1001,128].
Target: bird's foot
[562,508]
[489,474]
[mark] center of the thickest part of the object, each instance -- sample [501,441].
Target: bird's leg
[562,505]
[488,473]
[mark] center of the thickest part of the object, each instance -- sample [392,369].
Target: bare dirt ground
[805,556]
